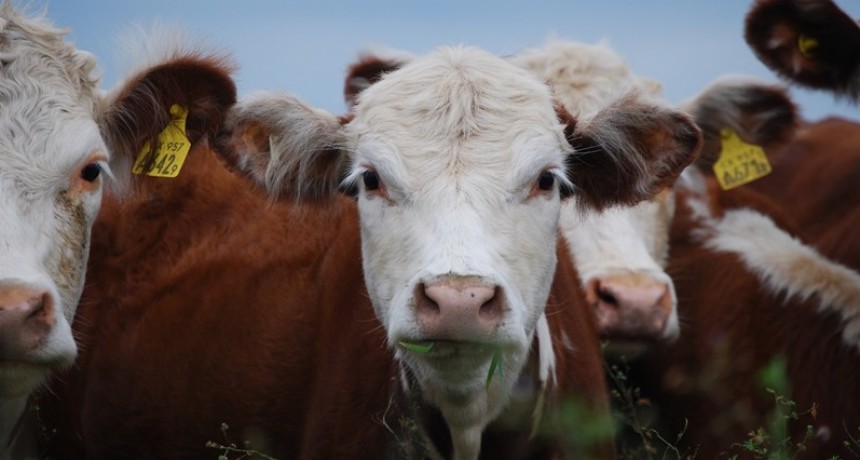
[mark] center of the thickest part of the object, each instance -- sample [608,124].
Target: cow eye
[91,172]
[546,181]
[371,180]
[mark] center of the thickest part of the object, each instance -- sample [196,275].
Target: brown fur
[366,71]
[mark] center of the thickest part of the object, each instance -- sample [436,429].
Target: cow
[619,252]
[809,42]
[754,291]
[59,138]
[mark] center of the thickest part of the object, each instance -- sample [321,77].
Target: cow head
[811,42]
[60,138]
[620,253]
[460,162]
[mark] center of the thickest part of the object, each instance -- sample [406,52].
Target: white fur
[584,77]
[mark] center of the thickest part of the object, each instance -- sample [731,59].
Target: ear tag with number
[173,147]
[739,163]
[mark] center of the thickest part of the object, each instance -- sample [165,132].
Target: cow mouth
[447,348]
[457,354]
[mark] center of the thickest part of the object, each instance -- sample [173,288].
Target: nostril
[492,308]
[42,310]
[607,296]
[424,304]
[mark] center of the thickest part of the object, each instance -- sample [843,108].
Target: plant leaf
[495,364]
[417,347]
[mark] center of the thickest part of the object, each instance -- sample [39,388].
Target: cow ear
[760,113]
[369,69]
[141,107]
[285,146]
[628,151]
[813,43]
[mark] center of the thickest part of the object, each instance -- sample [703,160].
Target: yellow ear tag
[173,147]
[807,45]
[739,163]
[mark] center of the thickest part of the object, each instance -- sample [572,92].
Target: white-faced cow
[58,134]
[809,42]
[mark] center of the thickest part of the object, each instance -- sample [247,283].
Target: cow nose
[462,309]
[632,306]
[27,316]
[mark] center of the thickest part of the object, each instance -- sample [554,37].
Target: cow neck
[423,431]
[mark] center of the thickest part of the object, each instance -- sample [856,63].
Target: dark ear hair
[286,146]
[366,71]
[760,113]
[812,43]
[628,151]
[140,109]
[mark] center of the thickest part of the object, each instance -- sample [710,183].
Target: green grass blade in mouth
[417,347]
[495,365]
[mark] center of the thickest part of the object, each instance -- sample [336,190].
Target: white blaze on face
[450,153]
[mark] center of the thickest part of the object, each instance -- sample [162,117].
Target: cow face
[460,161]
[52,167]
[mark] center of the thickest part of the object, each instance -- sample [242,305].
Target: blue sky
[303,47]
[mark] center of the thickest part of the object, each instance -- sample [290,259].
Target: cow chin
[19,378]
[457,378]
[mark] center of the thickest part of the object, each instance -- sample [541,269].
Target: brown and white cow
[459,169]
[809,42]
[59,136]
[753,292]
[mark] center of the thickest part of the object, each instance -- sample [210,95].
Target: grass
[232,449]
[635,424]
[644,440]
